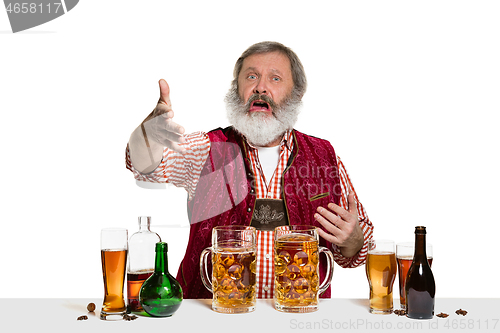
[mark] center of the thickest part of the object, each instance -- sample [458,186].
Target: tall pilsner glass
[113,259]
[381,271]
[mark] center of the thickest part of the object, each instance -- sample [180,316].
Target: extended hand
[159,127]
[343,230]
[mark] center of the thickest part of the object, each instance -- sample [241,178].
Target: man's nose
[260,87]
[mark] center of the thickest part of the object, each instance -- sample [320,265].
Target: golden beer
[296,271]
[113,270]
[114,245]
[381,270]
[233,279]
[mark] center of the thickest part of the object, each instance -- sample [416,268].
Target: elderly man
[260,171]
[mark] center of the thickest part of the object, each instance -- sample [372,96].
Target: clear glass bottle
[141,261]
[161,294]
[420,287]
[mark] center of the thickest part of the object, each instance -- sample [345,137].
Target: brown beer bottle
[420,287]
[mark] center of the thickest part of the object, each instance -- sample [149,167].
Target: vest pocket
[319,196]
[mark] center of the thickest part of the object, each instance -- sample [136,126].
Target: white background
[406,91]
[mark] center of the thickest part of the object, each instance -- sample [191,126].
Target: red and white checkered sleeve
[364,222]
[177,169]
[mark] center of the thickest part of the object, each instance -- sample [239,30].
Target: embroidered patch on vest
[264,215]
[268,214]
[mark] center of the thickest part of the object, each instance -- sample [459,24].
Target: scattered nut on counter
[129,317]
[91,307]
[400,312]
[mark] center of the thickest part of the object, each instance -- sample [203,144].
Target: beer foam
[380,253]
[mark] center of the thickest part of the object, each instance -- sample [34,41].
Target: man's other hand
[342,226]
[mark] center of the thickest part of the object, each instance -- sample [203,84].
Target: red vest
[225,195]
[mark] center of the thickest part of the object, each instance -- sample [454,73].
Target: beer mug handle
[205,277]
[329,269]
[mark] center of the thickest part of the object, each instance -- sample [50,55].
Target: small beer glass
[233,269]
[296,269]
[404,257]
[113,260]
[381,273]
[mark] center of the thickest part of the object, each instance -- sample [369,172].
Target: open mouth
[259,105]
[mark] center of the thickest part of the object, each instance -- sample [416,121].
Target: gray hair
[298,73]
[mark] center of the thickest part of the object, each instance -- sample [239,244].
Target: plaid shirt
[184,171]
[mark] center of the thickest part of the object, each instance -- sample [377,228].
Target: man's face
[265,75]
[265,104]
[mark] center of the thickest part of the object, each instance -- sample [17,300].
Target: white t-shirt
[269,158]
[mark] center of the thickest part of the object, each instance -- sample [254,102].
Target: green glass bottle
[161,294]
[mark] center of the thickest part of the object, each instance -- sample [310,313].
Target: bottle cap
[420,230]
[161,247]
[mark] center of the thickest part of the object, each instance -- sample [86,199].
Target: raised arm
[147,142]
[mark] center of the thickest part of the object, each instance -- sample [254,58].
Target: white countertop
[31,315]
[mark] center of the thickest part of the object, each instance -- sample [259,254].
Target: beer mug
[381,273]
[233,269]
[404,258]
[296,270]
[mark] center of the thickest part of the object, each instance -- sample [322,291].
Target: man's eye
[252,77]
[276,79]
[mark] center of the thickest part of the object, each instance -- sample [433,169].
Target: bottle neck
[420,245]
[144,228]
[144,223]
[161,262]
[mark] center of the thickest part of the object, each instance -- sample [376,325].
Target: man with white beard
[260,171]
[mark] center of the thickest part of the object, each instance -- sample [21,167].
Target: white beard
[260,129]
